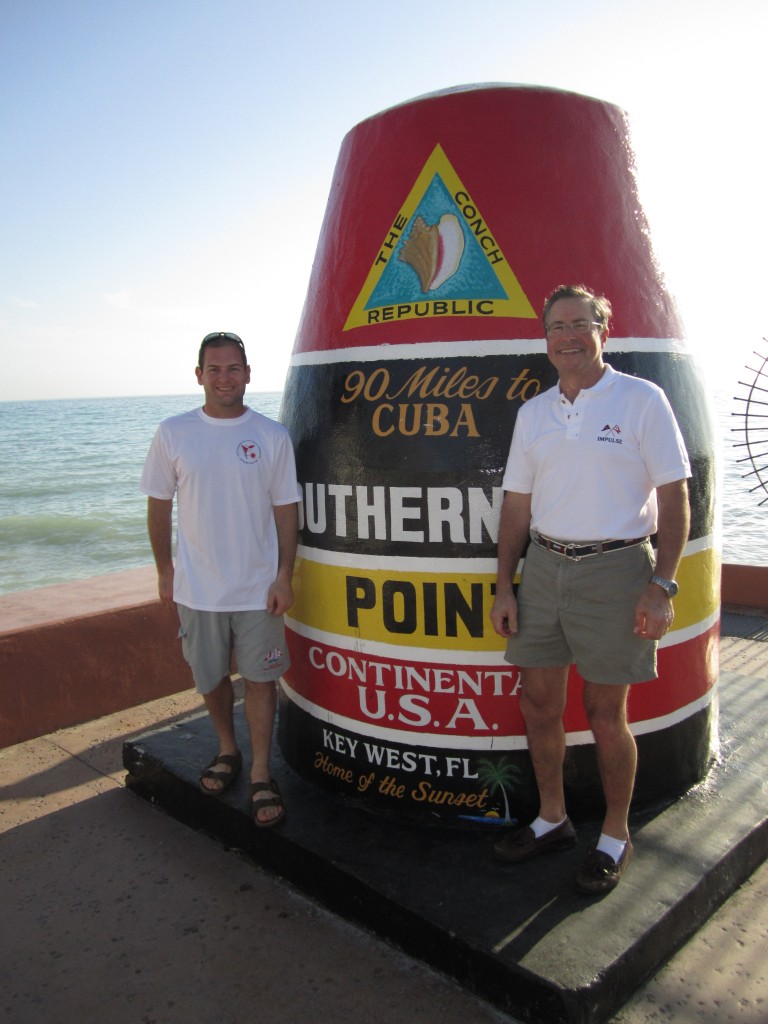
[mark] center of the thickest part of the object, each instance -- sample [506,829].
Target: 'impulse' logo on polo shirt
[610,433]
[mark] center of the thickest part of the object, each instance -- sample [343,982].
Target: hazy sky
[165,164]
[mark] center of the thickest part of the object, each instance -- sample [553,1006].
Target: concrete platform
[520,938]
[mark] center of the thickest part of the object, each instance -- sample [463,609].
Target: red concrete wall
[745,586]
[76,651]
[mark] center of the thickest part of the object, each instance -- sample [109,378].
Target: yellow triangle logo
[439,259]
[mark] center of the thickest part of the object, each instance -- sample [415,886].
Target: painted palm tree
[499,775]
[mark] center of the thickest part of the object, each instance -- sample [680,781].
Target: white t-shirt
[592,467]
[226,475]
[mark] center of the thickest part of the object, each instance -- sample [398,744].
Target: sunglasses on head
[222,334]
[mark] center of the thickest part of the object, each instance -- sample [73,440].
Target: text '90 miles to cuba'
[410,409]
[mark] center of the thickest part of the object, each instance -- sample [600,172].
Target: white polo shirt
[592,467]
[226,475]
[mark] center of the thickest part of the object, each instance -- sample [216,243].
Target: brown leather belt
[570,549]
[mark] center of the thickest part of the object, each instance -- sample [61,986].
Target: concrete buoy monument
[450,219]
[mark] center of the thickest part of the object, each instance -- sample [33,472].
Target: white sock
[541,827]
[613,847]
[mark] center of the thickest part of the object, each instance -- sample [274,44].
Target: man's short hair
[219,339]
[601,307]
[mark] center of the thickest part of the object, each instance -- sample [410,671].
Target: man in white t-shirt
[232,473]
[596,465]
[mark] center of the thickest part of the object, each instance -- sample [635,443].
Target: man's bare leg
[260,706]
[542,703]
[220,704]
[606,708]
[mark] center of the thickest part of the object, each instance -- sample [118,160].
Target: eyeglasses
[557,329]
[222,334]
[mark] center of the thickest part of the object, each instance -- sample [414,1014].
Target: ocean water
[70,507]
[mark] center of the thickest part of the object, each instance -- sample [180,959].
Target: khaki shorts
[583,613]
[209,638]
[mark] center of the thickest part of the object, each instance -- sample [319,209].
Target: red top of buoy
[482,199]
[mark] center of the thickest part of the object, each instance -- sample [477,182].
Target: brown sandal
[267,801]
[233,761]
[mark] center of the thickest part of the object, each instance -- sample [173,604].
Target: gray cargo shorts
[208,640]
[583,613]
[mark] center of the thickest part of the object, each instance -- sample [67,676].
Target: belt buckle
[568,550]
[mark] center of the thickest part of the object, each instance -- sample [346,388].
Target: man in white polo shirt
[596,465]
[232,473]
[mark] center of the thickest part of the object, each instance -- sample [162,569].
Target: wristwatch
[670,587]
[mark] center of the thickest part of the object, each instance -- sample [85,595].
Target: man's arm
[655,613]
[514,527]
[159,524]
[280,596]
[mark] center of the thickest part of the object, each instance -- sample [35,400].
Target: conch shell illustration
[434,250]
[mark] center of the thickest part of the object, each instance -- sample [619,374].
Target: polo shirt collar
[605,381]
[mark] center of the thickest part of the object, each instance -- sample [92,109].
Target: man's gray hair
[601,307]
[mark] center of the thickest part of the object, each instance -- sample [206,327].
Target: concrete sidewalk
[114,911]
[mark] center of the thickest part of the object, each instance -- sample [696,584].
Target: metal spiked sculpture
[755,428]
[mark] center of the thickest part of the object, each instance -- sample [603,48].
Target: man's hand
[504,614]
[165,587]
[514,527]
[279,596]
[654,613]
[159,524]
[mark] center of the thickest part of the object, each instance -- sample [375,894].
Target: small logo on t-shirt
[248,452]
[610,433]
